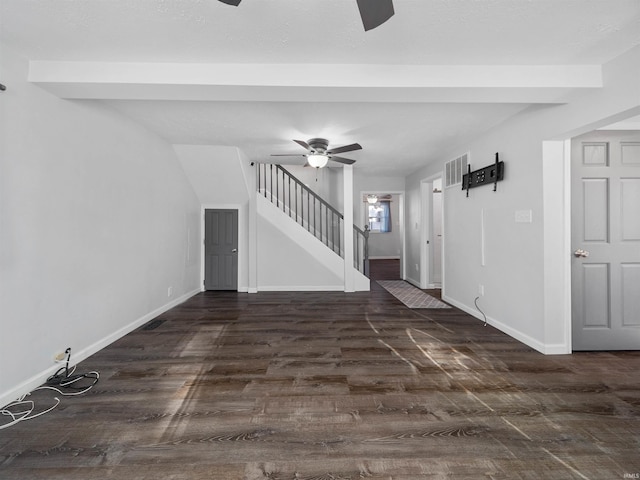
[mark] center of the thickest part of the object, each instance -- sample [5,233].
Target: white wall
[97,222]
[517,258]
[290,258]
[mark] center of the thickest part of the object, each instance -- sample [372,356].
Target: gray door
[221,249]
[605,235]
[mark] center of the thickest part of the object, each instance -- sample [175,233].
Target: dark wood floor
[384,269]
[333,386]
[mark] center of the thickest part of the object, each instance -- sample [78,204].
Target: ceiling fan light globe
[317,160]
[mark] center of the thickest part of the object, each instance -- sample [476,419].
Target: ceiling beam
[314,82]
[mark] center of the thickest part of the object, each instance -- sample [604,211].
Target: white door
[605,235]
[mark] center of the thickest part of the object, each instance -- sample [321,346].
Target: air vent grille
[454,170]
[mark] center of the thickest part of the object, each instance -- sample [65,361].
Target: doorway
[221,249]
[383,213]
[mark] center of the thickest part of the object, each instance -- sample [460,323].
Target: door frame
[426,232]
[401,221]
[556,184]
[556,288]
[242,243]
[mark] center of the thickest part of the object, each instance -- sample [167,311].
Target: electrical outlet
[481,290]
[417,268]
[169,291]
[59,357]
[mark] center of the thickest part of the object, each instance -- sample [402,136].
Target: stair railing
[310,211]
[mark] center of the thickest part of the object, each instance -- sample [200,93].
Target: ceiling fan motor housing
[319,145]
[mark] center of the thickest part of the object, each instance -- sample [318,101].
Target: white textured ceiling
[322,31]
[397,136]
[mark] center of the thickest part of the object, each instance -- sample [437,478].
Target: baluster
[326,224]
[365,236]
[264,180]
[284,193]
[289,196]
[330,230]
[355,249]
[321,223]
[258,174]
[309,211]
[336,232]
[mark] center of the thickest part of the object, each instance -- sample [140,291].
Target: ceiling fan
[373,12]
[373,198]
[318,152]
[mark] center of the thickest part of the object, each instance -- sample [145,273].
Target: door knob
[235,250]
[580,253]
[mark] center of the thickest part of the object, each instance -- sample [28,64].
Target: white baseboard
[521,337]
[558,349]
[385,257]
[78,356]
[301,288]
[412,281]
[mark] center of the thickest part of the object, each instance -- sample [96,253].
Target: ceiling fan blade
[287,155]
[375,12]
[235,3]
[346,148]
[303,144]
[346,161]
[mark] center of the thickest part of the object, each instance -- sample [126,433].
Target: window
[380,217]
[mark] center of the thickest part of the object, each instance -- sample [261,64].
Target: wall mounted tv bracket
[490,174]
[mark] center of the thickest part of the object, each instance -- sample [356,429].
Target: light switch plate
[524,216]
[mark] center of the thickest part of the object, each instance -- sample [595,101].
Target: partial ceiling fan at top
[373,12]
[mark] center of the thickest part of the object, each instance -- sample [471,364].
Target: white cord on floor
[17,417]
[64,378]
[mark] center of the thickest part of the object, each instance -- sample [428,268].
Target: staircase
[311,212]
